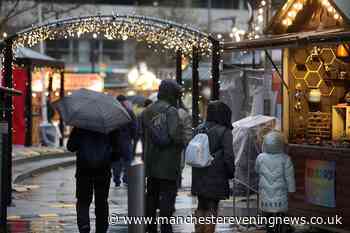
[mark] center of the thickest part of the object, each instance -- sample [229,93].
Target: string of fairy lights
[258,23]
[154,32]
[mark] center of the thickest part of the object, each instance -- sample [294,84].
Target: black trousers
[277,228]
[86,187]
[160,194]
[208,205]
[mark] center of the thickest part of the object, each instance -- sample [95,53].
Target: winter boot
[199,228]
[210,228]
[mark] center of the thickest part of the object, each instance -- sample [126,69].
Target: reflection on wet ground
[55,225]
[51,208]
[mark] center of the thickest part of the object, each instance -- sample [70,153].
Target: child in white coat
[276,178]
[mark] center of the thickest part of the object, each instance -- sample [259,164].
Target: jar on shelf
[315,100]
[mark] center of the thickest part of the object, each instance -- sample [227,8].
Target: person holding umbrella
[95,117]
[93,175]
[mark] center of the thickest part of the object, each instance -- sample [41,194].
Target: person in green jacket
[162,163]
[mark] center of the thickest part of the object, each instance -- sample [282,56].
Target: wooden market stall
[315,38]
[27,75]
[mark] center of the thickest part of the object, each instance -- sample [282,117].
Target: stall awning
[28,56]
[291,40]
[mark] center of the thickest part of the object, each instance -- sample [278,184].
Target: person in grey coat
[276,177]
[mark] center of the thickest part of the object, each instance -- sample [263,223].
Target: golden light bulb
[298,6]
[292,14]
[287,22]
[325,3]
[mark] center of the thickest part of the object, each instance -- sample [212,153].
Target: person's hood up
[273,143]
[219,113]
[169,91]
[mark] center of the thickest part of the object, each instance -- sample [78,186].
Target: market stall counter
[322,182]
[315,73]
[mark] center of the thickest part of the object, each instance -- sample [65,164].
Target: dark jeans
[122,165]
[86,187]
[160,194]
[119,167]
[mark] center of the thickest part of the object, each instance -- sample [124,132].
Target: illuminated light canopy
[154,31]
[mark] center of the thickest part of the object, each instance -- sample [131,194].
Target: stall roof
[29,53]
[305,23]
[29,56]
[291,40]
[343,6]
[309,16]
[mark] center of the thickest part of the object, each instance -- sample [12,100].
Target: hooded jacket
[164,162]
[276,174]
[212,182]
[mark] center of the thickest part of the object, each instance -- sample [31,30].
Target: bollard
[136,193]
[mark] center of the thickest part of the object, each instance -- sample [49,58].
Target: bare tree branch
[11,11]
[53,13]
[50,11]
[19,12]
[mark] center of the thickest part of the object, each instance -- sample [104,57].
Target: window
[113,51]
[220,4]
[58,49]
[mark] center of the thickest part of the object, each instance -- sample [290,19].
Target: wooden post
[61,96]
[3,199]
[215,69]
[179,67]
[29,104]
[8,116]
[195,88]
[6,158]
[285,93]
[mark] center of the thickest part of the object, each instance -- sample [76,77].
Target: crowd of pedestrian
[165,130]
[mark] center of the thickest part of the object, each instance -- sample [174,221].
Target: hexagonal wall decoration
[313,79]
[326,88]
[327,55]
[299,71]
[300,56]
[313,63]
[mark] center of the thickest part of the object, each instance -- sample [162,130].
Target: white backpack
[198,153]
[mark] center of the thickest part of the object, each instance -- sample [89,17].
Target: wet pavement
[50,207]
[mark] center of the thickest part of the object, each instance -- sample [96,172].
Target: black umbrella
[92,110]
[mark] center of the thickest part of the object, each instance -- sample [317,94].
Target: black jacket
[212,182]
[89,144]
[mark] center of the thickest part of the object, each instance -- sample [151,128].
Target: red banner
[20,78]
